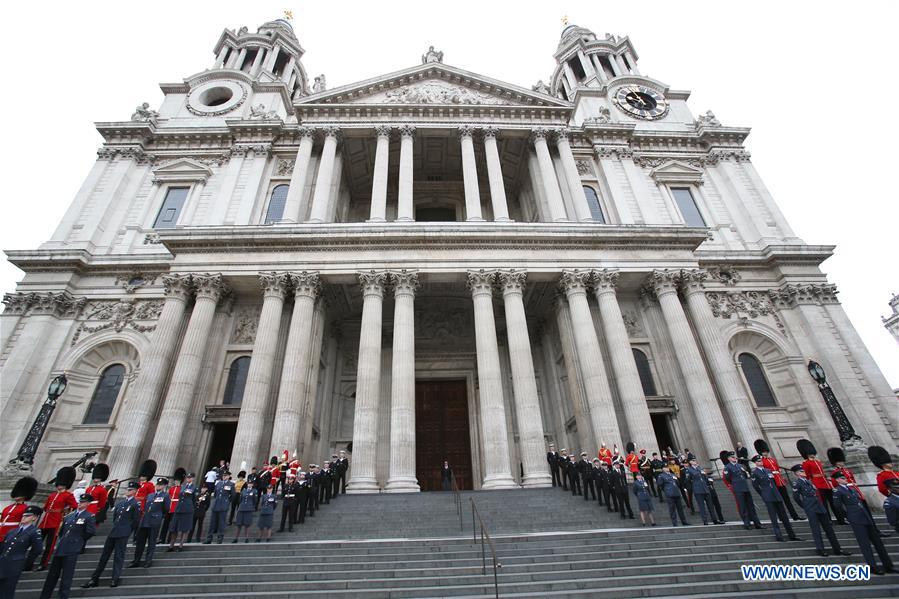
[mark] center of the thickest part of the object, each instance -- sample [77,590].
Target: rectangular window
[687,205]
[171,208]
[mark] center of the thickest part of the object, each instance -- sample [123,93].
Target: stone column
[627,378]
[294,372]
[130,434]
[548,176]
[272,58]
[470,175]
[257,62]
[581,208]
[402,387]
[293,207]
[379,177]
[325,176]
[363,477]
[616,67]
[524,383]
[569,76]
[596,383]
[600,72]
[585,64]
[255,406]
[183,384]
[721,363]
[495,176]
[712,427]
[494,432]
[405,206]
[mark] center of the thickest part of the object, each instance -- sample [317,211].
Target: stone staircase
[549,544]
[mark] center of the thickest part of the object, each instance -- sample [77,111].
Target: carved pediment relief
[675,171]
[182,169]
[432,91]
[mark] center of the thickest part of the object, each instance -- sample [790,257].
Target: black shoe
[797,518]
[705,523]
[882,534]
[844,552]
[795,538]
[208,542]
[685,524]
[93,582]
[234,541]
[280,530]
[170,549]
[148,563]
[268,540]
[759,527]
[134,564]
[890,570]
[822,553]
[653,523]
[248,540]
[841,522]
[877,571]
[781,540]
[114,583]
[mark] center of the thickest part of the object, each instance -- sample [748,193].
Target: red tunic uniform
[605,455]
[11,517]
[145,489]
[850,481]
[100,495]
[815,472]
[54,506]
[882,477]
[174,493]
[771,464]
[632,462]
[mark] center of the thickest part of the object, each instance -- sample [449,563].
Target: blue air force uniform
[76,529]
[668,485]
[763,481]
[20,545]
[248,497]
[125,518]
[862,526]
[891,507]
[267,510]
[738,479]
[221,503]
[644,497]
[155,509]
[805,494]
[183,520]
[697,482]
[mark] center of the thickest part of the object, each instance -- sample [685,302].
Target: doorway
[222,443]
[442,433]
[661,424]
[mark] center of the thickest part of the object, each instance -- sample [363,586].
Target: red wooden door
[441,433]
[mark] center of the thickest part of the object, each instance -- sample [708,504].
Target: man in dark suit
[765,485]
[344,463]
[574,476]
[605,482]
[76,529]
[619,488]
[446,477]
[737,478]
[862,525]
[585,470]
[805,494]
[552,458]
[125,518]
[20,545]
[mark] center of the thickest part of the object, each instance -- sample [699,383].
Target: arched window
[593,202]
[758,383]
[645,372]
[237,380]
[276,204]
[105,395]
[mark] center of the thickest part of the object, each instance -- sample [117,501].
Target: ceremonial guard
[584,471]
[174,496]
[204,499]
[574,476]
[656,465]
[891,503]
[743,456]
[631,461]
[268,502]
[344,464]
[20,546]
[76,529]
[125,519]
[552,458]
[249,497]
[563,468]
[697,481]
[880,457]
[183,517]
[156,507]
[58,504]
[862,525]
[145,480]
[644,500]
[221,502]
[290,496]
[814,470]
[604,454]
[311,480]
[839,461]
[769,462]
[737,479]
[22,491]
[668,486]
[806,495]
[96,490]
[765,485]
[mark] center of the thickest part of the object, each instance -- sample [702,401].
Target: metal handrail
[484,534]
[457,500]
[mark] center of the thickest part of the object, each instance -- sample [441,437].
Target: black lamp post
[844,427]
[25,457]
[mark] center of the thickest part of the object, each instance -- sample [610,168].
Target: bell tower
[585,61]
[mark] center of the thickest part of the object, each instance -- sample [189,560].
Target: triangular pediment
[183,169]
[675,171]
[434,84]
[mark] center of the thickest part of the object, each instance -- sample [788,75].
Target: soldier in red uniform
[769,462]
[146,488]
[814,470]
[605,455]
[838,458]
[22,491]
[58,504]
[881,458]
[174,493]
[98,491]
[631,460]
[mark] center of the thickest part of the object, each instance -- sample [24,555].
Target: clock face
[641,102]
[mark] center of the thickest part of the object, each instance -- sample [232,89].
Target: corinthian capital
[383,130]
[539,133]
[561,134]
[574,281]
[210,286]
[306,283]
[405,282]
[605,280]
[407,131]
[373,282]
[274,284]
[306,132]
[692,280]
[664,281]
[331,131]
[513,281]
[490,132]
[465,131]
[177,286]
[481,281]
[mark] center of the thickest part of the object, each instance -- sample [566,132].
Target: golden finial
[565,21]
[288,14]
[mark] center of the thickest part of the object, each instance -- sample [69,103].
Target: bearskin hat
[761,446]
[65,477]
[180,474]
[273,461]
[879,456]
[100,472]
[724,455]
[630,447]
[25,487]
[805,448]
[836,454]
[147,469]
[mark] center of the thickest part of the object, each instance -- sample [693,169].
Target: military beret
[87,497]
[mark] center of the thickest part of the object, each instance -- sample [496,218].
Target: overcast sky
[816,81]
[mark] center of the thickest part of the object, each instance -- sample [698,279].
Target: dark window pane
[276,204]
[237,380]
[687,206]
[593,202]
[649,385]
[758,384]
[171,208]
[435,215]
[105,395]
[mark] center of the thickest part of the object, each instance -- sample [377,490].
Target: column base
[404,219]
[503,219]
[474,219]
[502,481]
[588,220]
[561,220]
[314,221]
[377,220]
[533,481]
[402,485]
[360,486]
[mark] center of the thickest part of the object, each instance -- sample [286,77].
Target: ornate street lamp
[844,427]
[25,458]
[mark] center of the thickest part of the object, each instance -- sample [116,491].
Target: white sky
[815,80]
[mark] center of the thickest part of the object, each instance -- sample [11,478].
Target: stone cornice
[81,261]
[772,255]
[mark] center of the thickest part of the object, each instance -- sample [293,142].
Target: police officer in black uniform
[552,458]
[125,519]
[76,529]
[585,470]
[19,546]
[290,492]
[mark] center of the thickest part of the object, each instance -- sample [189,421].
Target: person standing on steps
[268,502]
[671,491]
[203,502]
[891,503]
[619,485]
[695,478]
[235,500]
[587,479]
[174,492]
[125,520]
[769,462]
[737,479]
[221,503]
[807,497]
[209,479]
[290,492]
[742,456]
[656,463]
[305,501]
[713,494]
[644,500]
[764,482]
[645,468]
[155,509]
[183,519]
[57,506]
[446,477]
[862,525]
[840,463]
[19,546]
[76,529]
[814,470]
[604,454]
[574,477]
[607,492]
[563,468]
[326,484]
[631,460]
[96,490]
[552,458]
[344,465]
[246,508]
[596,473]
